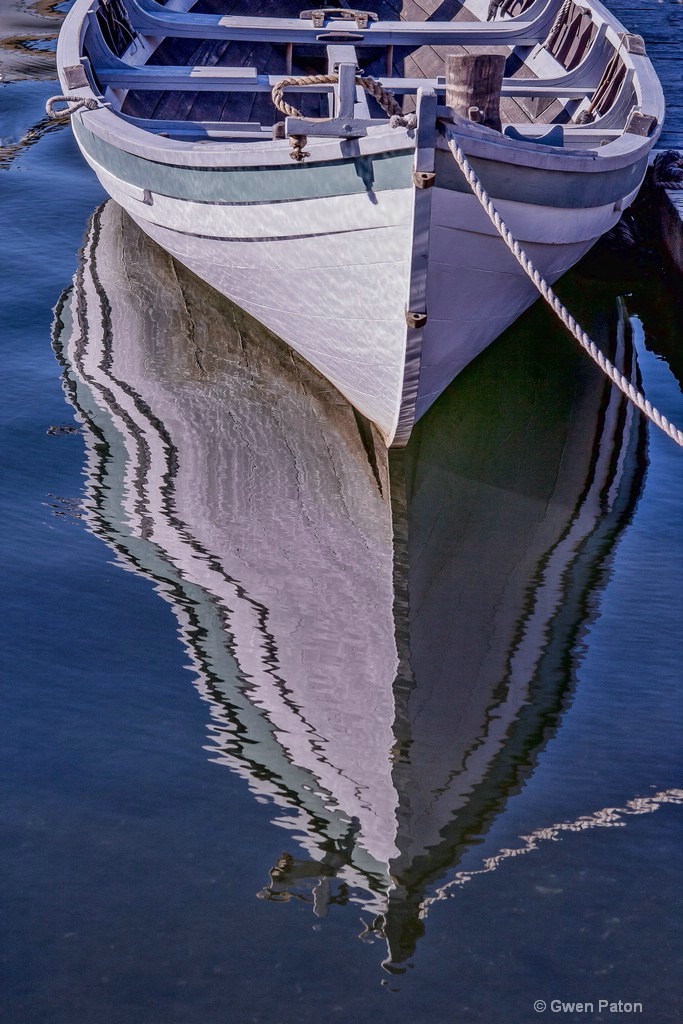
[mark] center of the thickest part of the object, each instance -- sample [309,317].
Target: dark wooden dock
[660,23]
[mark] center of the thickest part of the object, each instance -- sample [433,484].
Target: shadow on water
[517,485]
[631,260]
[385,663]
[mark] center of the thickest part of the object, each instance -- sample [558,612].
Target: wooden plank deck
[423,62]
[660,24]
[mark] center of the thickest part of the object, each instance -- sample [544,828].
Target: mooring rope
[386,100]
[80,101]
[608,368]
[667,171]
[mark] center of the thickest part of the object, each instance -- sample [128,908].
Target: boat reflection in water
[384,667]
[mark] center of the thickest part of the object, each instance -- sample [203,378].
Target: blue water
[130,860]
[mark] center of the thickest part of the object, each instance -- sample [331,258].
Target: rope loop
[384,98]
[617,378]
[667,171]
[278,91]
[80,102]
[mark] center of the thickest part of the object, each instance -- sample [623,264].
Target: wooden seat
[159,78]
[553,136]
[151,18]
[200,129]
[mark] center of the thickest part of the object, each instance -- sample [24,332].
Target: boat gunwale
[477,140]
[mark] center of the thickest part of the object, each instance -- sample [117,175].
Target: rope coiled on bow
[386,100]
[667,171]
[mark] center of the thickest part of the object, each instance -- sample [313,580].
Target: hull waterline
[387,288]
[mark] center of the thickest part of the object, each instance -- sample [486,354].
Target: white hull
[372,258]
[330,276]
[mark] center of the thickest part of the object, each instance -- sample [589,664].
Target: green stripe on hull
[568,189]
[563,188]
[251,184]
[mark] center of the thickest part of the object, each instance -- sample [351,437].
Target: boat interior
[204,69]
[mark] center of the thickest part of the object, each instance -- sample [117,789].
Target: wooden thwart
[150,18]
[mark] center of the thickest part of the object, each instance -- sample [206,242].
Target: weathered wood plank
[422,62]
[473,85]
[218,106]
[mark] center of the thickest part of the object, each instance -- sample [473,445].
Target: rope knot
[80,102]
[408,121]
[297,142]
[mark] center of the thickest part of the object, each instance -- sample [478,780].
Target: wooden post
[473,86]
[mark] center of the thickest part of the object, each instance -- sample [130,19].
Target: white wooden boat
[370,255]
[383,695]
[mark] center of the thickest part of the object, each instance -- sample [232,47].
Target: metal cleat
[319,16]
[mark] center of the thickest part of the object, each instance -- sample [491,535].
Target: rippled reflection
[28,38]
[28,44]
[383,664]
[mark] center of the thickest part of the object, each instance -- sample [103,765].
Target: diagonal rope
[608,368]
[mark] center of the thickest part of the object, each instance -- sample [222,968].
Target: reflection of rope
[80,101]
[608,817]
[551,298]
[385,99]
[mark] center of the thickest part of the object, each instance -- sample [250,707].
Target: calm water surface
[282,743]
